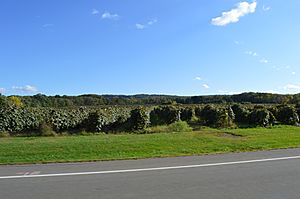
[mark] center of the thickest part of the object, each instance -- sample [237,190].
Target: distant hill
[40,100]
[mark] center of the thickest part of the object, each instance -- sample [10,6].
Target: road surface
[263,175]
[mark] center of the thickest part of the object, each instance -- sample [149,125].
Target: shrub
[241,114]
[208,115]
[138,120]
[187,114]
[164,115]
[216,117]
[15,101]
[15,119]
[95,122]
[298,111]
[46,130]
[121,124]
[287,115]
[66,119]
[262,117]
[4,134]
[180,126]
[198,111]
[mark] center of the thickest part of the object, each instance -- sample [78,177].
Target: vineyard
[16,119]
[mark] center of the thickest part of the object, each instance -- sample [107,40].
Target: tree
[15,101]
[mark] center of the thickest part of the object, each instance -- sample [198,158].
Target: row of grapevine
[20,120]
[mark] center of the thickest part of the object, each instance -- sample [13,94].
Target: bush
[198,111]
[16,101]
[20,120]
[15,119]
[287,115]
[216,117]
[241,114]
[46,130]
[164,115]
[262,117]
[121,124]
[138,120]
[180,126]
[66,119]
[4,134]
[187,114]
[95,122]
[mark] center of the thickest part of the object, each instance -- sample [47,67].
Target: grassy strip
[130,146]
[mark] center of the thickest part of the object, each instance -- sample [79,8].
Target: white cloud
[48,25]
[2,90]
[238,42]
[266,8]
[276,68]
[198,78]
[254,54]
[293,73]
[95,11]
[27,89]
[152,22]
[264,61]
[205,86]
[140,26]
[292,87]
[234,15]
[108,15]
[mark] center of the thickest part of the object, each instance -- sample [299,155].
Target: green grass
[17,150]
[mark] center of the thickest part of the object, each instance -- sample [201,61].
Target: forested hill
[40,100]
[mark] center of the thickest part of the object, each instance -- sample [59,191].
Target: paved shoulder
[266,174]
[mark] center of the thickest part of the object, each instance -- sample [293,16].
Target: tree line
[57,101]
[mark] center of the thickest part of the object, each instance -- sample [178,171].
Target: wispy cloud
[2,90]
[251,53]
[108,15]
[48,25]
[141,26]
[234,15]
[238,43]
[264,61]
[266,8]
[205,86]
[198,78]
[292,87]
[150,23]
[286,68]
[95,12]
[27,89]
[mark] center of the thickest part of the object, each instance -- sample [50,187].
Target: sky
[178,47]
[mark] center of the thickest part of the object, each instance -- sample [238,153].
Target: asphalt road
[263,175]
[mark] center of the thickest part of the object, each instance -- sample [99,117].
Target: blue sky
[182,47]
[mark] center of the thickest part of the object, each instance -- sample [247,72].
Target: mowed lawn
[18,150]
